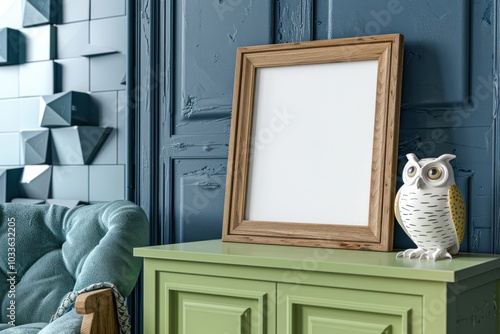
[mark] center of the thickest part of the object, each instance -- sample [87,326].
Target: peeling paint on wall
[146,23]
[294,23]
[232,37]
[488,13]
[213,177]
[196,107]
[206,147]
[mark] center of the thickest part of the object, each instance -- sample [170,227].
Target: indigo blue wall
[84,51]
[185,56]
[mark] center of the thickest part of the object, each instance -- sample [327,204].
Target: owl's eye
[411,171]
[434,173]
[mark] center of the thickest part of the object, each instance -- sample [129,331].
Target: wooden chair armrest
[99,312]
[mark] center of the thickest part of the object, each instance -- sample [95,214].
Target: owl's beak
[419,182]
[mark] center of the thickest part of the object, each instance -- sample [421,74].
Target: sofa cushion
[23,329]
[58,250]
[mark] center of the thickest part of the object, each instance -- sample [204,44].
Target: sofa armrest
[99,312]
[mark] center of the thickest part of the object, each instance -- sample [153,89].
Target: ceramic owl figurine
[430,208]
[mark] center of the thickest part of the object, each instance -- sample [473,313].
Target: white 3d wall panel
[68,50]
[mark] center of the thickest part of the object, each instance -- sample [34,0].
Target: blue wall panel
[436,42]
[206,35]
[448,102]
[195,114]
[200,185]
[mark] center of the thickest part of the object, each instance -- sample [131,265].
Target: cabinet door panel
[192,304]
[318,310]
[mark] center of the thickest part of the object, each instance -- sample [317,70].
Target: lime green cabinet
[225,288]
[194,303]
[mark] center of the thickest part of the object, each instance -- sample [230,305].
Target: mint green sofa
[52,250]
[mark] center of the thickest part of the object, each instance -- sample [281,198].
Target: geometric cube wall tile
[9,82]
[34,146]
[29,111]
[75,74]
[11,14]
[106,72]
[39,78]
[38,12]
[73,41]
[9,46]
[70,182]
[65,109]
[109,8]
[106,183]
[74,11]
[9,115]
[72,38]
[40,43]
[10,149]
[35,181]
[77,145]
[108,32]
[9,183]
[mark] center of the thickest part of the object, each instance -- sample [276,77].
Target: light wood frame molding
[377,234]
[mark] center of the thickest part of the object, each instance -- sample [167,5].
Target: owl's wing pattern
[457,211]
[396,213]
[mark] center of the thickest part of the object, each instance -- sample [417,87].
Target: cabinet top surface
[382,264]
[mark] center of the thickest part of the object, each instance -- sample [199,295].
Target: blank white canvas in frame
[312,141]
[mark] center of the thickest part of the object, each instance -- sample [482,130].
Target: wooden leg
[99,312]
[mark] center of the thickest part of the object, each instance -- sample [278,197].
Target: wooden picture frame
[326,88]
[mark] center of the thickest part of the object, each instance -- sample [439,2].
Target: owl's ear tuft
[447,157]
[412,157]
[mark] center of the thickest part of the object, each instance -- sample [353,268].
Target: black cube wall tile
[10,183]
[38,12]
[66,109]
[9,46]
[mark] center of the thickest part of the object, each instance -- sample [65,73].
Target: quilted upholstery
[59,250]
